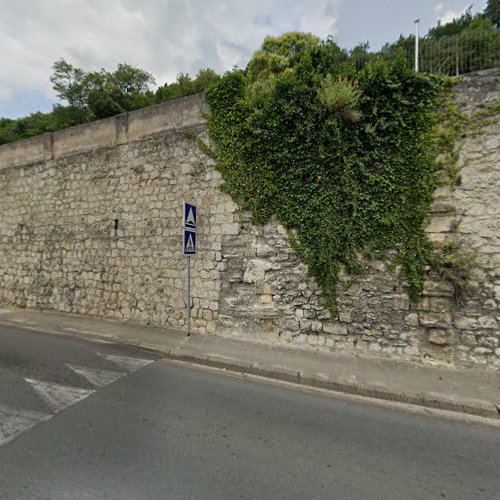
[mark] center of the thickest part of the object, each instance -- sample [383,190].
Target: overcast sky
[166,37]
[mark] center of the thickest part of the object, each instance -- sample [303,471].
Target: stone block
[316,326]
[465,322]
[439,337]
[439,304]
[487,323]
[442,207]
[436,320]
[324,314]
[412,319]
[345,316]
[231,229]
[255,270]
[305,324]
[438,289]
[266,298]
[401,302]
[335,328]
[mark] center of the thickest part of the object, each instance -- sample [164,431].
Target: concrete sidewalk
[466,390]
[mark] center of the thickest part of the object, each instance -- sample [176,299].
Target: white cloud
[5,92]
[164,37]
[445,15]
[167,37]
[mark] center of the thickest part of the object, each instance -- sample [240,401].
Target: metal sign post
[189,294]
[190,219]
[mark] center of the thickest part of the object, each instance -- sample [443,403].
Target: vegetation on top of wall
[93,95]
[467,43]
[344,157]
[470,42]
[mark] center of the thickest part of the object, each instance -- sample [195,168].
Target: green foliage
[102,93]
[468,43]
[29,126]
[454,266]
[448,130]
[67,81]
[492,12]
[90,96]
[185,85]
[279,53]
[341,187]
[454,27]
[340,96]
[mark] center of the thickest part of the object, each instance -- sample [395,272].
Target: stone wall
[91,224]
[266,291]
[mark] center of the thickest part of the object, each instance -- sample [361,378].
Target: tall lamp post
[416,43]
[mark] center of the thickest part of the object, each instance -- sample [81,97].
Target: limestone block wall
[267,294]
[90,223]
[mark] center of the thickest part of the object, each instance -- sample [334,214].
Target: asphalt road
[82,419]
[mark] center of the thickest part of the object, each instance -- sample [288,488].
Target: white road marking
[130,364]
[14,422]
[95,376]
[58,396]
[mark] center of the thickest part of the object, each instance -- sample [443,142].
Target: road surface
[82,419]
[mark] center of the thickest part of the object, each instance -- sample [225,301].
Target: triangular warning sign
[190,220]
[190,244]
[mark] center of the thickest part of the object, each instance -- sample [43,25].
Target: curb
[285,375]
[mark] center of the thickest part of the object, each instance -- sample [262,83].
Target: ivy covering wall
[344,157]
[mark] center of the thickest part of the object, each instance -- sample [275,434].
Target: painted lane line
[97,377]
[58,396]
[14,422]
[130,364]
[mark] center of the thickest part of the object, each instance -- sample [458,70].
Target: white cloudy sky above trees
[166,37]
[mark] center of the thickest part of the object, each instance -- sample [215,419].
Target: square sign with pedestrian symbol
[189,216]
[189,242]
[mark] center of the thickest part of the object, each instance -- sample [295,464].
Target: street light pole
[417,21]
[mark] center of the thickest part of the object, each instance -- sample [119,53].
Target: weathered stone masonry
[90,223]
[91,219]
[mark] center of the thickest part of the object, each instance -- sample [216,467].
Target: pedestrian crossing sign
[189,245]
[189,216]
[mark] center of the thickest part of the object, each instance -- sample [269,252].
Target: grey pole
[189,294]
[416,44]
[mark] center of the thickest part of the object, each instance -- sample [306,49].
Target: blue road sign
[189,216]
[189,242]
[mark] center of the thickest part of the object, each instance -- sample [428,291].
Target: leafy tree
[279,53]
[99,94]
[454,27]
[7,133]
[185,85]
[492,12]
[102,93]
[205,78]
[28,126]
[468,43]
[68,116]
[67,81]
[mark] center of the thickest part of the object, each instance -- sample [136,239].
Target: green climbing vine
[344,157]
